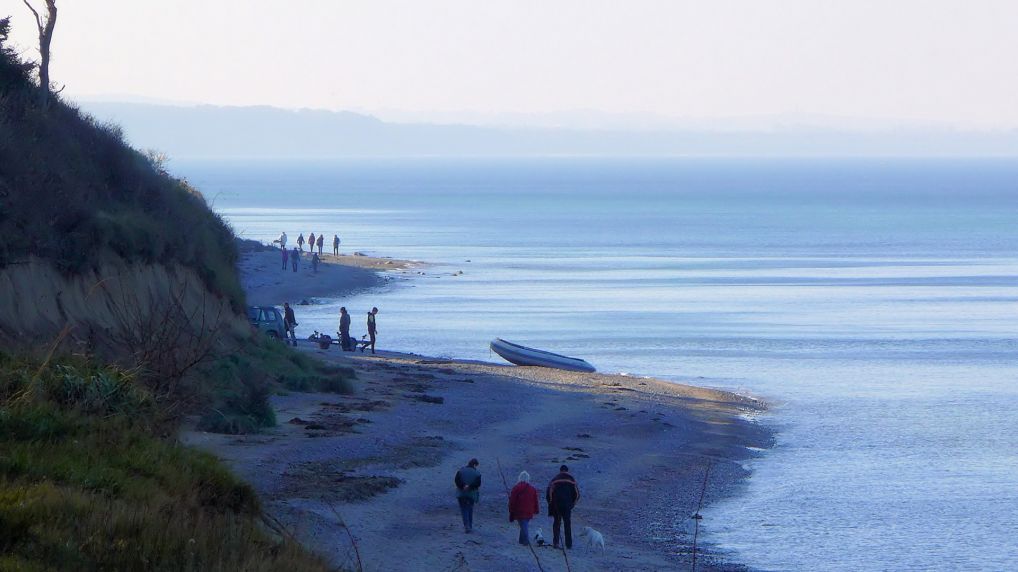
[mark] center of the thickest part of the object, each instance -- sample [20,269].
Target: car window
[252,313]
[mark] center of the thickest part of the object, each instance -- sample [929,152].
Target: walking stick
[697,516]
[505,485]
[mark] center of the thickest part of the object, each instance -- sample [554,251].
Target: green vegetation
[71,189]
[91,474]
[87,481]
[241,383]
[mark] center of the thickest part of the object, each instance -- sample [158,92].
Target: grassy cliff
[121,315]
[71,188]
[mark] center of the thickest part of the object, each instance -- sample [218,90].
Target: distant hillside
[210,132]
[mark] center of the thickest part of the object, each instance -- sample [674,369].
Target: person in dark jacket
[562,494]
[300,242]
[344,330]
[286,257]
[295,258]
[468,481]
[523,505]
[372,330]
[335,245]
[311,242]
[290,322]
[321,243]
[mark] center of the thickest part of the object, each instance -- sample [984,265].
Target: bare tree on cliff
[45,37]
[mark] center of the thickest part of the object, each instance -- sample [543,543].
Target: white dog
[539,538]
[594,538]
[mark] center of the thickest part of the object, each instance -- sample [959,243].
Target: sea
[873,304]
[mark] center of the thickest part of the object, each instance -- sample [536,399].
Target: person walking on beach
[300,242]
[321,243]
[314,262]
[289,322]
[335,245]
[562,494]
[344,330]
[468,481]
[372,328]
[523,505]
[295,258]
[311,242]
[286,257]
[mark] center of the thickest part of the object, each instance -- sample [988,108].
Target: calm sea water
[875,304]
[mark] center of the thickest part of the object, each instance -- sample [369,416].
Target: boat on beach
[522,355]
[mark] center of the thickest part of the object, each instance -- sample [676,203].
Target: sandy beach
[266,283]
[383,458]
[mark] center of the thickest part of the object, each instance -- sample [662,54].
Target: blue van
[268,319]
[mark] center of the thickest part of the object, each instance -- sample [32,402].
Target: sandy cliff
[104,305]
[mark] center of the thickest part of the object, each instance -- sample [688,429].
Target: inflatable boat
[522,355]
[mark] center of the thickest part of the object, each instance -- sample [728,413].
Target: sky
[850,62]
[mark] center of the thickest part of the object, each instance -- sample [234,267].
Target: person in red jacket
[523,505]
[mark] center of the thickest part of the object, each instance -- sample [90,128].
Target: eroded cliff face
[108,309]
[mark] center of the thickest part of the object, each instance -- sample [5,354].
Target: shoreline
[383,457]
[266,283]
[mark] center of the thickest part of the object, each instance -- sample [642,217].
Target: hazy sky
[954,62]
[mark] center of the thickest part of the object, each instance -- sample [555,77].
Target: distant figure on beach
[562,494]
[468,481]
[314,262]
[281,240]
[286,256]
[335,244]
[523,505]
[295,258]
[372,328]
[344,330]
[300,242]
[290,322]
[311,242]
[321,243]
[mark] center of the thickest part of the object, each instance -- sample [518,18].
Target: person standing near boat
[335,245]
[372,328]
[468,482]
[290,322]
[344,329]
[523,505]
[562,494]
